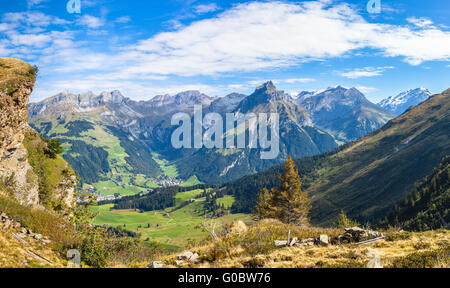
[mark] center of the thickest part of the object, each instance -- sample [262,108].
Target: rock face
[16,175]
[344,113]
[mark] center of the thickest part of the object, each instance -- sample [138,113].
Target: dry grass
[251,251]
[13,254]
[61,232]
[13,71]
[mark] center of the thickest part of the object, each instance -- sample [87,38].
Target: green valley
[173,227]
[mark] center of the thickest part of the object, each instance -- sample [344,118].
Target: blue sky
[146,48]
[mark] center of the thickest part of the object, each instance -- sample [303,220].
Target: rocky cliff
[19,178]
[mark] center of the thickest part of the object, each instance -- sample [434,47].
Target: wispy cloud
[207,8]
[91,22]
[365,89]
[32,19]
[123,19]
[32,3]
[365,72]
[420,22]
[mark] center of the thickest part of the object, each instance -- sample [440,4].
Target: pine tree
[287,203]
[264,209]
[344,222]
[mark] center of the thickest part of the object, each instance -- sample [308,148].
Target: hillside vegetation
[428,206]
[253,247]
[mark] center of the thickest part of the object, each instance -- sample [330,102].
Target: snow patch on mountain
[400,103]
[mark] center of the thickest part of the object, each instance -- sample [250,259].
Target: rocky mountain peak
[192,98]
[401,102]
[114,97]
[267,87]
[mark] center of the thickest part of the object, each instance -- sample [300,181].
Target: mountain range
[368,176]
[135,154]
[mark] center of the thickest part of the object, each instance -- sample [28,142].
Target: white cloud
[33,19]
[365,72]
[208,8]
[420,22]
[91,22]
[297,80]
[365,89]
[257,36]
[32,3]
[37,40]
[123,19]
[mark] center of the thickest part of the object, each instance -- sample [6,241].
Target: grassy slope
[406,149]
[172,227]
[13,255]
[254,248]
[122,181]
[12,252]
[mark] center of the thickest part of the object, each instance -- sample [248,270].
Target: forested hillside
[428,206]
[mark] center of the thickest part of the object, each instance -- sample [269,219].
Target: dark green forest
[428,206]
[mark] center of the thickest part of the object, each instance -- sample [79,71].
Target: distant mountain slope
[367,177]
[344,113]
[428,206]
[226,104]
[297,137]
[400,103]
[100,152]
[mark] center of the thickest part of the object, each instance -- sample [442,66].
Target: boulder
[185,256]
[373,234]
[195,258]
[157,264]
[38,237]
[281,243]
[294,241]
[6,224]
[307,242]
[354,230]
[323,240]
[178,263]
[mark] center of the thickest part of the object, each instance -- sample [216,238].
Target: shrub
[53,148]
[92,250]
[396,236]
[438,258]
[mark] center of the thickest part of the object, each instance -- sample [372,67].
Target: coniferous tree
[287,202]
[264,209]
[344,222]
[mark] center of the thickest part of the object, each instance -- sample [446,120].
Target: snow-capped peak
[400,103]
